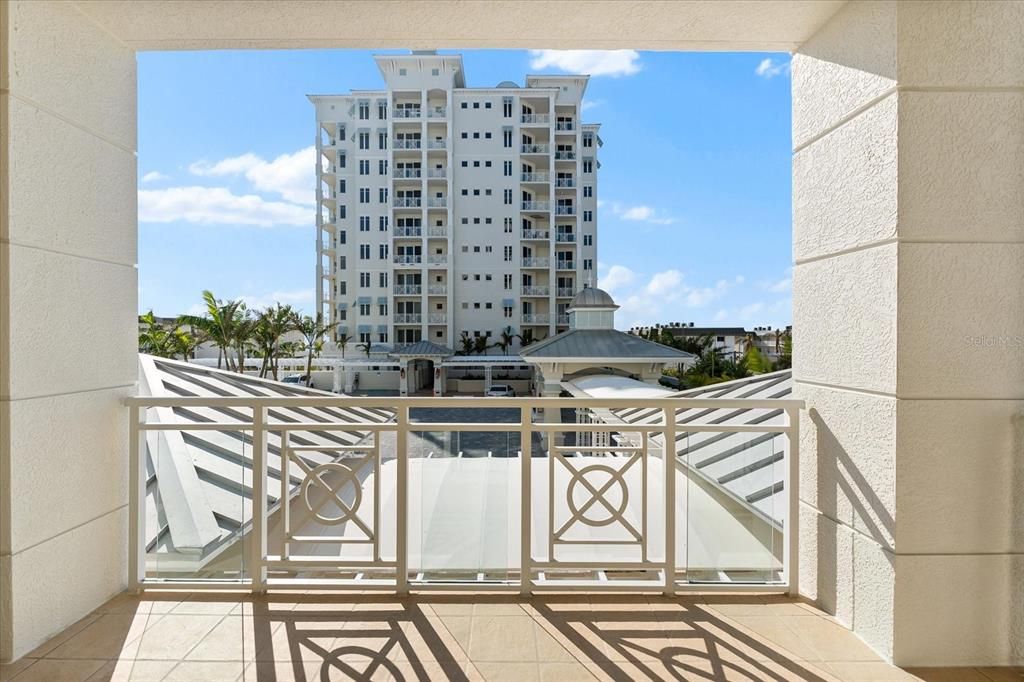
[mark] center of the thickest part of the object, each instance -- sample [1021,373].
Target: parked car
[300,379]
[500,391]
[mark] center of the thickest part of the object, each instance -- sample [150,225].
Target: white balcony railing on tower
[408,289]
[534,177]
[536,318]
[437,202]
[408,259]
[565,210]
[534,149]
[437,259]
[311,491]
[437,173]
[408,231]
[565,182]
[536,205]
[407,144]
[437,289]
[536,262]
[565,292]
[407,173]
[437,318]
[562,320]
[407,113]
[408,318]
[565,155]
[437,231]
[563,264]
[562,126]
[535,119]
[407,202]
[437,112]
[437,144]
[536,290]
[565,237]
[536,234]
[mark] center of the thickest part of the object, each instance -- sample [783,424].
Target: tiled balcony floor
[316,637]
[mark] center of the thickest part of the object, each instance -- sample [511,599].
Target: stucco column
[337,379]
[65,263]
[487,378]
[439,379]
[908,300]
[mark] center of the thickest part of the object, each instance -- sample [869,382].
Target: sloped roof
[422,348]
[595,344]
[199,483]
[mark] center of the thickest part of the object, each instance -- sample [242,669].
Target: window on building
[487,136]
[506,137]
[487,164]
[342,212]
[382,167]
[435,72]
[402,72]
[342,236]
[465,164]
[508,254]
[476,193]
[508,169]
[506,107]
[588,216]
[364,166]
[342,262]
[383,195]
[508,226]
[364,195]
[383,278]
[588,240]
[476,136]
[383,255]
[588,140]
[588,264]
[382,140]
[364,223]
[342,160]
[364,253]
[341,186]
[487,105]
[465,192]
[364,308]
[588,191]
[476,105]
[465,105]
[465,135]
[382,223]
[588,166]
[364,110]
[508,197]
[364,140]
[364,279]
[382,110]
[508,282]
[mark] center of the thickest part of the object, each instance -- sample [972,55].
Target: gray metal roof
[423,348]
[602,343]
[592,297]
[199,483]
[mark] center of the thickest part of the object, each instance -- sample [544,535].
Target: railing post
[402,490]
[526,501]
[258,538]
[791,530]
[668,456]
[136,500]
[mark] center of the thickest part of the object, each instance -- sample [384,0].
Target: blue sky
[694,218]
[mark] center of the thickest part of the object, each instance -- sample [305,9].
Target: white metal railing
[536,318]
[562,264]
[437,144]
[437,318]
[565,210]
[437,202]
[437,112]
[407,144]
[407,202]
[533,149]
[565,155]
[437,231]
[534,177]
[562,319]
[408,231]
[598,483]
[437,258]
[535,118]
[536,234]
[565,182]
[408,172]
[565,292]
[408,260]
[536,205]
[536,291]
[437,289]
[565,125]
[437,173]
[408,289]
[408,318]
[535,262]
[565,237]
[407,113]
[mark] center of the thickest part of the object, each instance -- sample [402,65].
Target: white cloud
[153,176]
[589,104]
[616,277]
[663,284]
[613,63]
[768,68]
[640,213]
[301,299]
[218,205]
[780,286]
[292,176]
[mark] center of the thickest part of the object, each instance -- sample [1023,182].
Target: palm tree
[480,345]
[185,342]
[154,339]
[526,338]
[466,344]
[313,332]
[219,324]
[366,348]
[507,337]
[343,340]
[271,325]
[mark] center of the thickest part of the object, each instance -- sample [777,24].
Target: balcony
[534,262]
[406,202]
[408,289]
[533,149]
[565,237]
[565,182]
[407,144]
[437,112]
[437,231]
[408,260]
[562,320]
[437,144]
[437,318]
[402,173]
[565,155]
[534,177]
[535,318]
[536,290]
[437,290]
[535,119]
[565,292]
[401,231]
[536,206]
[408,318]
[437,173]
[543,235]
[565,126]
[437,259]
[406,113]
[565,210]
[563,264]
[437,202]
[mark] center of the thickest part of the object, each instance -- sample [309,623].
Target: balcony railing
[565,182]
[437,202]
[437,231]
[565,210]
[562,319]
[339,492]
[533,149]
[437,173]
[408,232]
[437,289]
[437,318]
[408,289]
[565,155]
[407,202]
[565,237]
[562,126]
[437,144]
[565,292]
[407,144]
[437,112]
[408,172]
[534,177]
[408,318]
[536,234]
[407,113]
[536,318]
[565,265]
[530,262]
[535,119]
[536,291]
[437,259]
[536,205]
[408,260]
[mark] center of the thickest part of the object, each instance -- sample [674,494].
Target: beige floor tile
[298,640]
[210,606]
[54,670]
[459,627]
[1003,674]
[232,639]
[61,637]
[502,638]
[9,670]
[564,672]
[427,671]
[207,671]
[553,648]
[141,671]
[947,674]
[109,636]
[832,642]
[758,608]
[125,603]
[767,630]
[498,608]
[494,671]
[428,639]
[283,671]
[866,671]
[174,635]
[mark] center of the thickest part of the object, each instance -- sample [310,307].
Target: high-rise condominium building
[447,210]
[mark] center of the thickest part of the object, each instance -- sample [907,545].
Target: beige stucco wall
[908,132]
